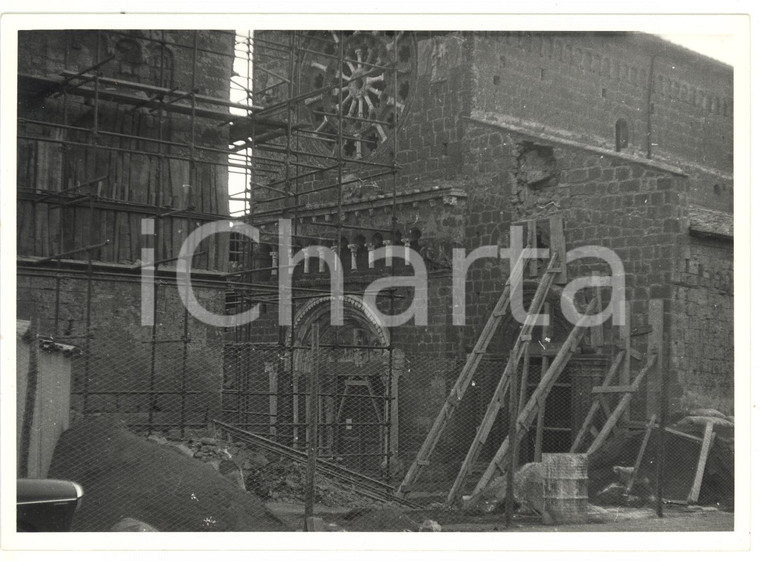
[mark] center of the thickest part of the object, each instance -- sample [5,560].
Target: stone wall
[119,348]
[703,325]
[583,83]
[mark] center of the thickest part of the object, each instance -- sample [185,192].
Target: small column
[322,264]
[352,247]
[388,256]
[336,257]
[370,255]
[407,246]
[275,262]
[306,263]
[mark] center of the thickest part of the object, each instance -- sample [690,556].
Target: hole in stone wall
[621,135]
[604,92]
[496,80]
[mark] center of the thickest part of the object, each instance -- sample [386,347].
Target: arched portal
[357,415]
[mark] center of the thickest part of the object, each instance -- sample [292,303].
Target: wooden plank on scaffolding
[509,374]
[655,342]
[465,376]
[703,453]
[640,455]
[595,405]
[532,242]
[526,416]
[621,406]
[546,334]
[272,371]
[597,331]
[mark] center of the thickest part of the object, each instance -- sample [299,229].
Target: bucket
[565,488]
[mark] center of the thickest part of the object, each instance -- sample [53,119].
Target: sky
[719,47]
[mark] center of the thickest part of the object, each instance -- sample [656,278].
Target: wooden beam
[597,331]
[533,243]
[272,371]
[526,416]
[621,406]
[508,375]
[703,453]
[612,389]
[557,245]
[625,336]
[587,422]
[546,334]
[640,455]
[465,376]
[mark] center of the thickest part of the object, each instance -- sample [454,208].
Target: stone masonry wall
[634,209]
[703,323]
[120,349]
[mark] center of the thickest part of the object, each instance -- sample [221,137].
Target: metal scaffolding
[316,107]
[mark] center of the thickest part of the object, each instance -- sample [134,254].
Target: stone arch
[319,309]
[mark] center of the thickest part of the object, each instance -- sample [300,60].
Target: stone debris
[430,526]
[266,475]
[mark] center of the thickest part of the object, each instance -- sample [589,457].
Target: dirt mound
[124,475]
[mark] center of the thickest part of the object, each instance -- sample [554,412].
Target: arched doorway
[356,411]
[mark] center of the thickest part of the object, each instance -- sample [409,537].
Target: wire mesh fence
[184,438]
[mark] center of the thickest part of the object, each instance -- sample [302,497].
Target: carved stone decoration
[356,103]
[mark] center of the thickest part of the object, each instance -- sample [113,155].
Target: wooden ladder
[465,377]
[500,392]
[529,411]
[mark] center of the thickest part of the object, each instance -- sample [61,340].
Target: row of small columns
[353,248]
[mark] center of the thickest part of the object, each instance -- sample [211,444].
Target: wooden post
[640,456]
[311,465]
[508,376]
[557,243]
[533,243]
[546,333]
[587,422]
[622,405]
[625,336]
[655,345]
[704,451]
[597,331]
[465,377]
[514,402]
[525,375]
[272,369]
[525,417]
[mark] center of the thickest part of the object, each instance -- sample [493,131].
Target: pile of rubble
[267,475]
